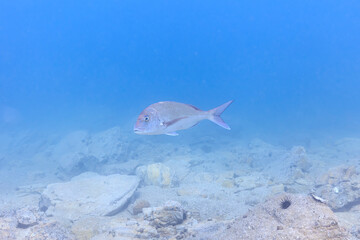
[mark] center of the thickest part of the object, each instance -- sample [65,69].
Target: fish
[169,117]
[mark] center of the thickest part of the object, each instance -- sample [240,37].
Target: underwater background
[291,67]
[75,75]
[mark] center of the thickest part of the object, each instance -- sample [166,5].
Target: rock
[278,189]
[27,217]
[70,150]
[108,146]
[171,213]
[228,175]
[28,224]
[8,225]
[340,187]
[49,231]
[301,218]
[249,182]
[293,164]
[355,231]
[138,206]
[81,151]
[304,181]
[155,174]
[350,220]
[203,178]
[116,227]
[30,189]
[349,146]
[180,168]
[89,226]
[125,168]
[90,194]
[44,203]
[299,158]
[228,183]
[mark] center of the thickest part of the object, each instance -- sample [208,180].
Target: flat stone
[277,189]
[248,182]
[90,194]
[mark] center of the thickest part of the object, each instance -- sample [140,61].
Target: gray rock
[49,231]
[90,194]
[138,206]
[170,214]
[300,159]
[340,187]
[70,150]
[80,151]
[27,217]
[301,218]
[355,231]
[271,160]
[29,224]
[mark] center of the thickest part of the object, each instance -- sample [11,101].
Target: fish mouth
[138,131]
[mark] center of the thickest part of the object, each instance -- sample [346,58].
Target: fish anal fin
[172,133]
[217,120]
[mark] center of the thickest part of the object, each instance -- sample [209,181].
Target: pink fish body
[169,117]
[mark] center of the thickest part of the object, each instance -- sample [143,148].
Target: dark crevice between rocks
[44,204]
[348,206]
[25,226]
[118,210]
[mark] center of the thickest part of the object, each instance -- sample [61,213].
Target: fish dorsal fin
[172,133]
[194,107]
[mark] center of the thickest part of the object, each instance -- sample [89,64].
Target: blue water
[293,68]
[75,74]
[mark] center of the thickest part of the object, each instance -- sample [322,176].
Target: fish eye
[146,118]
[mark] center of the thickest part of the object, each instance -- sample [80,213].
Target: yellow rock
[158,174]
[153,173]
[227,183]
[166,177]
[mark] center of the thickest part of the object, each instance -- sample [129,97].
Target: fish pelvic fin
[172,134]
[215,115]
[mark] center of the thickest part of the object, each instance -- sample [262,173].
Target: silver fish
[169,117]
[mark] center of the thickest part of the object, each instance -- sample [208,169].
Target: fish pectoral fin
[172,133]
[169,123]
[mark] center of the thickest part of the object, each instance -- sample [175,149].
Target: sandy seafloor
[206,187]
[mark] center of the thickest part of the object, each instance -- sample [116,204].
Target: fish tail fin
[215,115]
